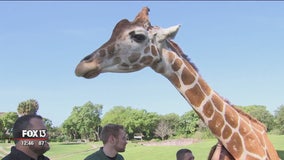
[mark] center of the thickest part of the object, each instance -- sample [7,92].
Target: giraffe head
[131,47]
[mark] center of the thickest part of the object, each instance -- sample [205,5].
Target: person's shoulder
[119,157]
[44,158]
[95,156]
[8,157]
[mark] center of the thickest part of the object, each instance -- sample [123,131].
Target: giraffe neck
[243,136]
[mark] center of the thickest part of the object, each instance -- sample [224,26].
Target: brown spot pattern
[244,128]
[124,65]
[134,57]
[231,117]
[261,138]
[216,124]
[259,127]
[186,77]
[136,66]
[235,146]
[208,109]
[195,95]
[177,64]
[175,80]
[251,142]
[171,57]
[102,53]
[110,50]
[190,68]
[147,49]
[248,157]
[217,101]
[204,86]
[154,50]
[227,132]
[146,60]
[116,60]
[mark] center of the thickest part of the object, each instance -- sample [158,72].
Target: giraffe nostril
[87,58]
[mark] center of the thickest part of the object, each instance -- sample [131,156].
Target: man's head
[184,154]
[30,122]
[114,135]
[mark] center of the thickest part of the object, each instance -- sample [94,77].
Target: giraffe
[137,44]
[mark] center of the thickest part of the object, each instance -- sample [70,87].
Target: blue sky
[238,48]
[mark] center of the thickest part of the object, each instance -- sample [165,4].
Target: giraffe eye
[137,37]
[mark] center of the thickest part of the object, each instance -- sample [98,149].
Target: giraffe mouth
[91,74]
[86,70]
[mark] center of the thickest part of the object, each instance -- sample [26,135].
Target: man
[25,147]
[114,140]
[184,154]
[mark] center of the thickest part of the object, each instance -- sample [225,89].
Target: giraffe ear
[168,33]
[171,31]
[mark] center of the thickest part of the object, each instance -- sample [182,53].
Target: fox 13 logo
[37,134]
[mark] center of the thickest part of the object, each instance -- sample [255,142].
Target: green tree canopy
[279,119]
[28,107]
[134,120]
[172,119]
[84,121]
[8,119]
[188,123]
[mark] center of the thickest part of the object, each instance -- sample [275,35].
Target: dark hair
[23,123]
[180,153]
[110,130]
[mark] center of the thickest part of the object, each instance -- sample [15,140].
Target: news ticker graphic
[32,136]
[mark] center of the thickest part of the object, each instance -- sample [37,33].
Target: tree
[90,120]
[48,123]
[69,126]
[28,107]
[172,119]
[115,116]
[133,120]
[84,121]
[279,119]
[163,129]
[8,119]
[1,129]
[188,123]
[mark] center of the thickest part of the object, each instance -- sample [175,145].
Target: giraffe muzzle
[87,70]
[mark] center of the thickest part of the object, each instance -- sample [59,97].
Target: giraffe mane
[250,117]
[175,47]
[240,111]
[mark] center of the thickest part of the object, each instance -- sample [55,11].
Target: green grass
[278,143]
[139,152]
[60,151]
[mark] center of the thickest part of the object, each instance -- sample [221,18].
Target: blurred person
[114,140]
[184,154]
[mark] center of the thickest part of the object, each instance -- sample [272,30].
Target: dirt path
[172,142]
